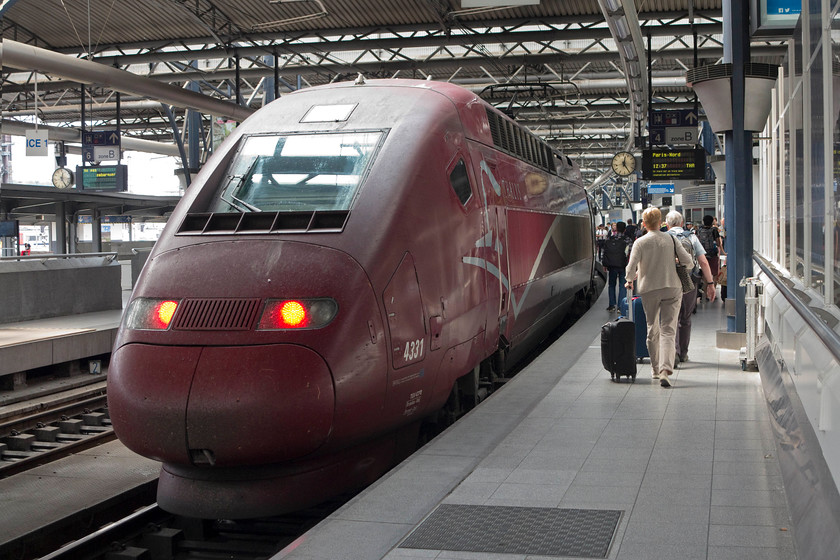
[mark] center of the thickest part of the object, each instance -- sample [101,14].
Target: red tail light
[150,313]
[281,314]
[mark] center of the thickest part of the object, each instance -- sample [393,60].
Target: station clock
[623,163]
[62,178]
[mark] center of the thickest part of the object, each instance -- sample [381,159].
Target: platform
[561,453]
[40,343]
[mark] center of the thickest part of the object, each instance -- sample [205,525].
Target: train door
[495,242]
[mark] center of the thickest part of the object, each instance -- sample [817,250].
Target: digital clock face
[623,163]
[673,164]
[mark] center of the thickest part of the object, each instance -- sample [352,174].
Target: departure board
[102,178]
[673,164]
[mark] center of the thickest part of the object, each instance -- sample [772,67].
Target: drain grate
[583,533]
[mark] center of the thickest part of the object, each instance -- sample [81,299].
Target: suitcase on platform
[618,348]
[641,325]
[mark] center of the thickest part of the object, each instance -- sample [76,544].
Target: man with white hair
[689,300]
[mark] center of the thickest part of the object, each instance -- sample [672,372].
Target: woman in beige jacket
[653,259]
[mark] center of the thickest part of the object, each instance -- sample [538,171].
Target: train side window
[460,182]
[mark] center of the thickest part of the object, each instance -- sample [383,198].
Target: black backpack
[614,252]
[706,235]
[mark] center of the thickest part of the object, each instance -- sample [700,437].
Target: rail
[827,336]
[67,256]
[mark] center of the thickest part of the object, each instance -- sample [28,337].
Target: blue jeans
[616,275]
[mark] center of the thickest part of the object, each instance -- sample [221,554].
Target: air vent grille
[224,223]
[714,71]
[215,314]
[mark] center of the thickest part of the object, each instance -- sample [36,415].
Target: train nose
[222,405]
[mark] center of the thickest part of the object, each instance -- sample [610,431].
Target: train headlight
[282,314]
[150,313]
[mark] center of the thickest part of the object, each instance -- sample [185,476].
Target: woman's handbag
[682,272]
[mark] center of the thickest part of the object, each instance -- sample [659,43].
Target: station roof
[556,66]
[34,203]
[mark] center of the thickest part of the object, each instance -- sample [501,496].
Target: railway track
[154,534]
[49,431]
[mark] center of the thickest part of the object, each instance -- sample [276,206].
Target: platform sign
[673,164]
[102,178]
[36,142]
[671,126]
[101,145]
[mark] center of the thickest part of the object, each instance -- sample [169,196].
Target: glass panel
[461,182]
[301,172]
[816,226]
[835,121]
[328,113]
[797,264]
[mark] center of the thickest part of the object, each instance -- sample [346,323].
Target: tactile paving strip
[582,533]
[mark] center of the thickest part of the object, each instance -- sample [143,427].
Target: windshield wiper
[232,187]
[247,205]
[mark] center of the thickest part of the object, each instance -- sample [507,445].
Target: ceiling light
[496,3]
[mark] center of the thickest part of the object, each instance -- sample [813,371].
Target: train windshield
[297,172]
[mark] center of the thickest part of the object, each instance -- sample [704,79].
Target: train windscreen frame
[297,172]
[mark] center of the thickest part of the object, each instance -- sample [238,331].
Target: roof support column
[270,84]
[60,228]
[194,131]
[96,229]
[738,203]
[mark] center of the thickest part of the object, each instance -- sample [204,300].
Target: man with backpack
[709,237]
[616,249]
[701,269]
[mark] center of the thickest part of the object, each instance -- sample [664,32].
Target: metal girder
[16,32]
[220,26]
[18,55]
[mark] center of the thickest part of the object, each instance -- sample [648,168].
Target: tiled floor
[693,468]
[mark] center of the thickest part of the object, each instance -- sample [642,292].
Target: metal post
[193,132]
[270,85]
[96,228]
[738,198]
[84,159]
[60,231]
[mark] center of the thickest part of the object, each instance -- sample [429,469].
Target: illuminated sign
[673,164]
[660,188]
[774,17]
[102,178]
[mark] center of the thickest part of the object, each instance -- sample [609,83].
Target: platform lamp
[712,84]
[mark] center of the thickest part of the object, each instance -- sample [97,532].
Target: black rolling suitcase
[618,347]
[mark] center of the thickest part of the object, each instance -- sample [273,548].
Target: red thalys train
[354,258]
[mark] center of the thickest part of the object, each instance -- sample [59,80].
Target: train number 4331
[413,350]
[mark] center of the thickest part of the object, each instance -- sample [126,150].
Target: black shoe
[677,359]
[611,308]
[684,358]
[663,381]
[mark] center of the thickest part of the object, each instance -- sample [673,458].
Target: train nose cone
[222,405]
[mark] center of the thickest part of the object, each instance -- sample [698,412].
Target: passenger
[616,249]
[652,259]
[600,237]
[27,249]
[689,300]
[710,239]
[630,231]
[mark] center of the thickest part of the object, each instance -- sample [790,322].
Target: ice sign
[36,142]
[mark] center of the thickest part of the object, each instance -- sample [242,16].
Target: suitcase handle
[630,304]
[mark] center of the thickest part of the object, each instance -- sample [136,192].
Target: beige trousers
[662,310]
